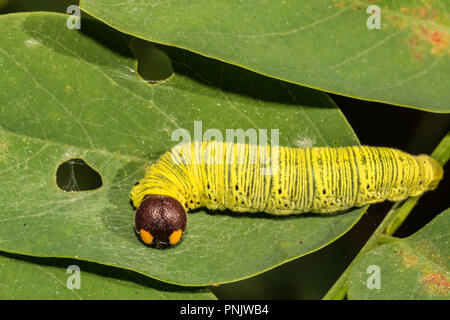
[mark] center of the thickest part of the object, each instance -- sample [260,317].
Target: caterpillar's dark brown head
[160,221]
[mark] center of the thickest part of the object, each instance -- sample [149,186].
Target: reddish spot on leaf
[422,12]
[409,259]
[428,14]
[437,38]
[436,283]
[422,34]
[418,56]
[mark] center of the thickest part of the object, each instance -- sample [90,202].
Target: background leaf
[317,43]
[75,95]
[26,278]
[416,267]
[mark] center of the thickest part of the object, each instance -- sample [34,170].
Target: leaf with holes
[417,267]
[393,51]
[74,96]
[26,278]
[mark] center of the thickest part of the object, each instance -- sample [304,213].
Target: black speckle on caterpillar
[319,180]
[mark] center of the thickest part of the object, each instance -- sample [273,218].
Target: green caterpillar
[220,176]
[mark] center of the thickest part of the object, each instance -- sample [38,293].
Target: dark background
[375,124]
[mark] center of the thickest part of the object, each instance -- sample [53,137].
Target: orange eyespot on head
[146,236]
[160,221]
[175,237]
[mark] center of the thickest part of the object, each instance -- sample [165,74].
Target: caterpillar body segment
[284,180]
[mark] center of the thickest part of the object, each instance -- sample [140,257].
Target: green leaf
[68,94]
[47,278]
[316,43]
[417,267]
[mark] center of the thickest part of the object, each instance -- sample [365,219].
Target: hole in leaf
[153,64]
[77,175]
